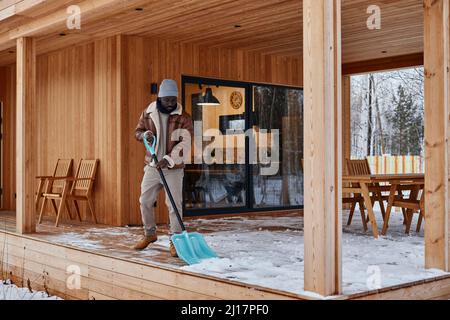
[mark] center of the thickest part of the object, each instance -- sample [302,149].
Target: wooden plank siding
[105,278]
[271,26]
[383,64]
[89,99]
[8,97]
[46,264]
[152,60]
[430,289]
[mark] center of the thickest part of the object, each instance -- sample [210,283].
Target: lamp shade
[208,99]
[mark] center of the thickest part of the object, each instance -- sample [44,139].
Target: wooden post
[346,127]
[346,120]
[323,145]
[436,47]
[25,135]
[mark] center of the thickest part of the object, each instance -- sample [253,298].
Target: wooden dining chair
[421,211]
[416,203]
[356,167]
[72,188]
[63,168]
[361,167]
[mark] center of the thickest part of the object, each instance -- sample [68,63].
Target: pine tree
[406,123]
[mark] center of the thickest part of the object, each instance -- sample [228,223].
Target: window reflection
[218,181]
[227,174]
[280,108]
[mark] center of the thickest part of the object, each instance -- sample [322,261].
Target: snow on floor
[274,259]
[10,291]
[268,251]
[393,259]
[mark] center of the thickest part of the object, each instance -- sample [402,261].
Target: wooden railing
[396,164]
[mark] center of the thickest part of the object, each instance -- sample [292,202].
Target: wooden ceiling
[269,26]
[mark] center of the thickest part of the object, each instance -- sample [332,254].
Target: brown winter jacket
[177,141]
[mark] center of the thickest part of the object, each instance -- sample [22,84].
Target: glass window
[247,150]
[217,176]
[279,109]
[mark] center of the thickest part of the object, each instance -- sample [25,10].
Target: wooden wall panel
[8,96]
[89,99]
[151,60]
[65,86]
[78,118]
[107,129]
[45,264]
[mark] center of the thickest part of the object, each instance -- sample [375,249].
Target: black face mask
[166,110]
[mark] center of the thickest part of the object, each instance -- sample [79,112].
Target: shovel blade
[192,247]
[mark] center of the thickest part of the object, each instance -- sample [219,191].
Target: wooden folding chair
[81,189]
[63,169]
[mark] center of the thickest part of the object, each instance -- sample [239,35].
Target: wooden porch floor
[117,241]
[111,269]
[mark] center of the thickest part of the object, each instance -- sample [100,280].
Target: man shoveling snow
[163,120]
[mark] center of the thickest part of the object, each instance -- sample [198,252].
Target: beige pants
[150,188]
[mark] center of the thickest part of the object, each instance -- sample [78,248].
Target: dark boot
[145,241]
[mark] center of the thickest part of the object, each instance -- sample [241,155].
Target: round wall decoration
[236,99]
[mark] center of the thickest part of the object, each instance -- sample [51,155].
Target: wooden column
[346,126]
[25,135]
[346,121]
[436,47]
[323,145]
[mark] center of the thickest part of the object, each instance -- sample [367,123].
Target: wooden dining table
[361,184]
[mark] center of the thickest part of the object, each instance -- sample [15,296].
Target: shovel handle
[152,150]
[169,194]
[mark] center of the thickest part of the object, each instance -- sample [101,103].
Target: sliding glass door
[247,149]
[278,110]
[217,177]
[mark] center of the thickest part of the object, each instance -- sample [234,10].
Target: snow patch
[10,291]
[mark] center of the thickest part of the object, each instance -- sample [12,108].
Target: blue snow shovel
[191,247]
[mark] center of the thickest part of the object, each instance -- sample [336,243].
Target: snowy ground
[11,292]
[268,251]
[274,259]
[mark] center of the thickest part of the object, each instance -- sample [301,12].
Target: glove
[149,135]
[162,164]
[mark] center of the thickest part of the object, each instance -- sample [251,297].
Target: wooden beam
[19,8]
[346,121]
[25,135]
[346,126]
[391,63]
[56,21]
[323,145]
[436,40]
